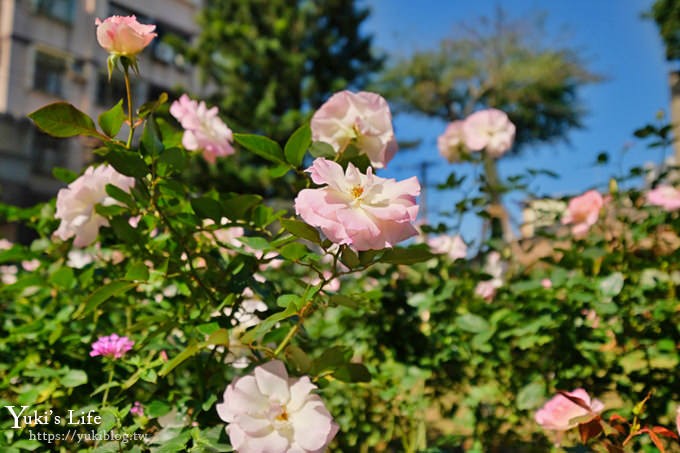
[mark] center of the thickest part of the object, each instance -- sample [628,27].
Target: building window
[61,10]
[48,152]
[49,73]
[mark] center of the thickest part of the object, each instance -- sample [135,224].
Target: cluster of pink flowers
[123,35]
[361,210]
[490,130]
[203,128]
[363,119]
[112,346]
[267,411]
[583,211]
[76,204]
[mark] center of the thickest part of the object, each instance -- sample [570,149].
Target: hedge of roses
[153,313]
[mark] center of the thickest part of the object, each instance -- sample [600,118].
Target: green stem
[128,90]
[493,187]
[106,392]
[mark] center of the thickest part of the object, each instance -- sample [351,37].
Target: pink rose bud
[489,129]
[123,35]
[362,210]
[558,413]
[267,411]
[76,204]
[363,119]
[666,197]
[583,211]
[451,143]
[203,128]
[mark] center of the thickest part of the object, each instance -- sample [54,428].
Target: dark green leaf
[127,162]
[207,208]
[301,230]
[112,120]
[410,255]
[137,272]
[352,372]
[262,146]
[321,149]
[101,295]
[63,120]
[297,145]
[119,194]
[64,174]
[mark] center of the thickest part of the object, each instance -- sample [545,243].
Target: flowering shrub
[314,325]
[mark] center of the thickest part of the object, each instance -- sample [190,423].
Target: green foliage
[666,14]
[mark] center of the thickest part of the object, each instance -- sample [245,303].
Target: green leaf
[112,120]
[235,208]
[321,149]
[119,194]
[531,396]
[344,301]
[612,285]
[64,175]
[63,278]
[410,255]
[207,208]
[331,359]
[472,323]
[151,138]
[74,378]
[349,257]
[137,271]
[219,337]
[151,106]
[301,230]
[157,409]
[266,325]
[63,120]
[172,159]
[127,162]
[262,146]
[287,300]
[297,145]
[101,295]
[352,372]
[294,251]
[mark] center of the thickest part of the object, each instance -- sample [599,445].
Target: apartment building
[49,52]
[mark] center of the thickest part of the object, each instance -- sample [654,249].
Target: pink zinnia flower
[76,204]
[112,346]
[666,197]
[362,210]
[557,414]
[362,118]
[123,35]
[267,411]
[451,143]
[489,129]
[583,211]
[203,128]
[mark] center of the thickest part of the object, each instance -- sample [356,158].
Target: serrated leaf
[112,120]
[262,146]
[297,145]
[63,120]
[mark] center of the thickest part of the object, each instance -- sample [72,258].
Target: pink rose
[489,129]
[486,290]
[269,412]
[365,211]
[123,35]
[665,196]
[677,419]
[5,244]
[451,143]
[76,203]
[203,129]
[583,211]
[546,283]
[557,414]
[112,346]
[453,246]
[361,118]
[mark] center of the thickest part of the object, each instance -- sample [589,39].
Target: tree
[501,64]
[666,14]
[271,62]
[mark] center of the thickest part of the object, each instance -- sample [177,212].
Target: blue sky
[614,41]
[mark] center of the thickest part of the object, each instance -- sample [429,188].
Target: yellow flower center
[357,192]
[283,416]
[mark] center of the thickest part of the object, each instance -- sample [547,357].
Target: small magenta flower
[137,409]
[112,346]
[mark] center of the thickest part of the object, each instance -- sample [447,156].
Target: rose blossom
[489,129]
[558,412]
[76,204]
[123,35]
[112,346]
[361,117]
[203,128]
[665,196]
[365,211]
[583,211]
[453,246]
[451,143]
[269,412]
[677,419]
[5,244]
